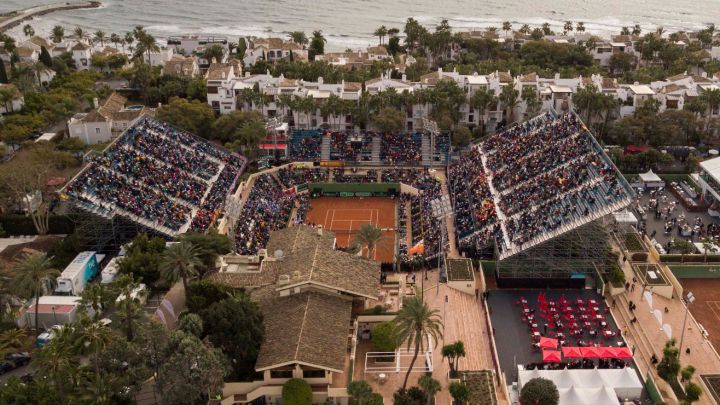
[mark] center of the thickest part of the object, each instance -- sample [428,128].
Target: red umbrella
[551,356]
[548,343]
[606,353]
[621,353]
[590,352]
[572,352]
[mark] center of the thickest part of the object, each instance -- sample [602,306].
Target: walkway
[647,332]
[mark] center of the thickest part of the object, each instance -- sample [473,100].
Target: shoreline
[17,17]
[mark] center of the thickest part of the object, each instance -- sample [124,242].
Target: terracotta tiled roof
[40,41]
[80,46]
[353,86]
[677,77]
[219,71]
[530,77]
[107,110]
[309,258]
[24,52]
[378,50]
[310,328]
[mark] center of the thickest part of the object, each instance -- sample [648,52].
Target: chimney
[96,104]
[557,76]
[222,74]
[320,230]
[440,71]
[214,60]
[404,77]
[320,80]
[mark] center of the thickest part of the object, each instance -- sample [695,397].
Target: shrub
[692,392]
[384,337]
[539,391]
[202,294]
[15,225]
[296,392]
[461,393]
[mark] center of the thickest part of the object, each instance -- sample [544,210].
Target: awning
[621,352]
[650,177]
[551,356]
[273,146]
[548,343]
[606,353]
[590,352]
[572,352]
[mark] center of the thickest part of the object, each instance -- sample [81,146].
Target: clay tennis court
[345,215]
[706,308]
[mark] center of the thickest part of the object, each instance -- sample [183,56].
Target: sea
[350,23]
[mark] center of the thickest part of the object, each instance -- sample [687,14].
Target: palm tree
[299,37]
[546,29]
[180,262]
[34,276]
[506,26]
[481,100]
[28,30]
[369,237]
[57,364]
[509,98]
[413,323]
[146,44]
[57,33]
[91,338]
[567,27]
[80,33]
[625,31]
[525,29]
[129,38]
[129,310]
[100,37]
[115,40]
[38,68]
[11,340]
[380,33]
[580,26]
[430,387]
[636,30]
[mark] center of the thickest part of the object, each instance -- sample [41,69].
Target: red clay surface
[345,215]
[706,308]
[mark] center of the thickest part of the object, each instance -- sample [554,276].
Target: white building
[17,102]
[105,122]
[158,58]
[82,53]
[192,43]
[221,79]
[272,50]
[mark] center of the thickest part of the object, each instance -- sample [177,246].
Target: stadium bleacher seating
[160,176]
[531,182]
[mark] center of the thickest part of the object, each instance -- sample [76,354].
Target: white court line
[713,306]
[332,219]
[327,212]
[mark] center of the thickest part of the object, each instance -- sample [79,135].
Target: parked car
[13,361]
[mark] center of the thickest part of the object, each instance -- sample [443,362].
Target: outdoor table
[533,325]
[598,316]
[603,324]
[568,309]
[593,302]
[608,333]
[596,309]
[551,303]
[580,302]
[592,332]
[536,334]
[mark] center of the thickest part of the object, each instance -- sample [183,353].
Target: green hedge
[15,225]
[694,258]
[695,271]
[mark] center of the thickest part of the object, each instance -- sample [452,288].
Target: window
[313,373]
[281,374]
[97,130]
[216,105]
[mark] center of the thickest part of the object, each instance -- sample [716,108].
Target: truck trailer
[74,278]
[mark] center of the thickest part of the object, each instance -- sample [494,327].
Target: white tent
[602,396]
[625,217]
[651,180]
[571,396]
[623,383]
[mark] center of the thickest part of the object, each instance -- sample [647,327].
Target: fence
[695,270]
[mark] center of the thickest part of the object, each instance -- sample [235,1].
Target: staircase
[376,146]
[325,148]
[425,149]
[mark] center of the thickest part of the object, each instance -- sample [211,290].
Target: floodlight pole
[690,298]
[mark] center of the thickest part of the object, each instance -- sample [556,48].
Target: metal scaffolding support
[581,250]
[105,234]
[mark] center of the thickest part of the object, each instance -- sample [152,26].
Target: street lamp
[689,299]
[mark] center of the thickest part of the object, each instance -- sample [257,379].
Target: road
[18,372]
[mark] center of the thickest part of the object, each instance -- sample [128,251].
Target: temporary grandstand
[535,192]
[153,178]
